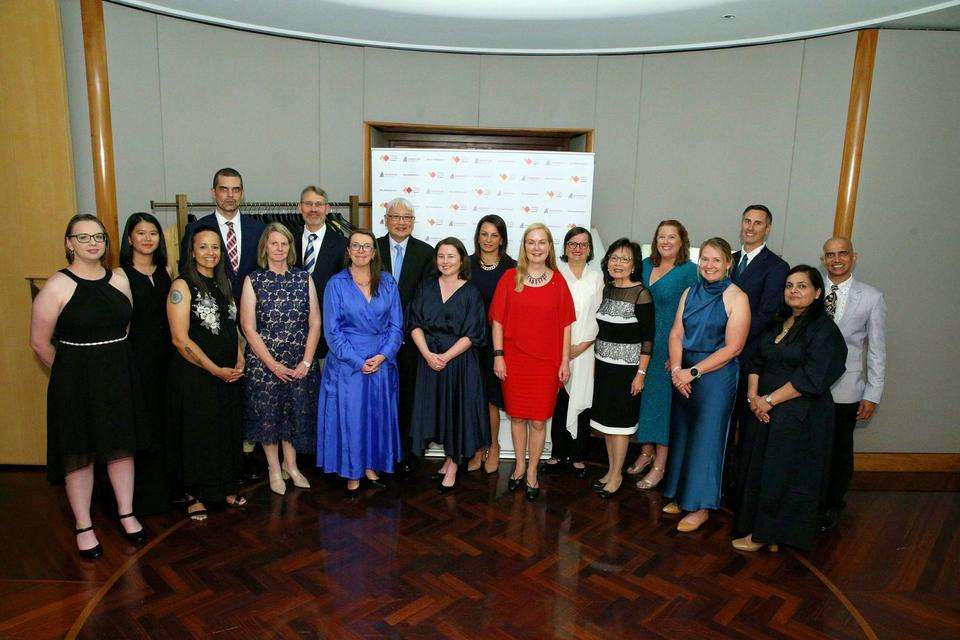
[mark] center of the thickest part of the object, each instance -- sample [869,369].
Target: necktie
[232,252]
[742,264]
[830,302]
[397,260]
[310,256]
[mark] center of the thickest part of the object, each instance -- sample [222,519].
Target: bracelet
[497,352]
[769,399]
[642,372]
[675,369]
[308,363]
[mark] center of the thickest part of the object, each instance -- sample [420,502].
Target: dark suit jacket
[417,261]
[250,231]
[763,282]
[330,257]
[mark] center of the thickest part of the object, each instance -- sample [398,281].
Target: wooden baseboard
[908,462]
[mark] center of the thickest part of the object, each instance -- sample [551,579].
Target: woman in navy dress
[708,333]
[487,265]
[280,317]
[667,273]
[446,321]
[357,430]
[143,260]
[78,328]
[785,448]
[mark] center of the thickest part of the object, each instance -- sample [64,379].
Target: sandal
[644,461]
[236,501]
[197,515]
[645,484]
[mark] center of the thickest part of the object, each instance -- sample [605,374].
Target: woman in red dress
[531,314]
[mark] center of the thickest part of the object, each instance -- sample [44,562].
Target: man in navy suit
[239,234]
[320,248]
[409,260]
[761,274]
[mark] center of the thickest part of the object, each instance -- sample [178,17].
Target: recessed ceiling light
[728,16]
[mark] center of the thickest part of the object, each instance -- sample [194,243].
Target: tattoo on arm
[193,356]
[176,297]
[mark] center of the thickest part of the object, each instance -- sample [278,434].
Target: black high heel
[514,483]
[578,472]
[92,553]
[533,492]
[447,489]
[606,495]
[598,486]
[136,537]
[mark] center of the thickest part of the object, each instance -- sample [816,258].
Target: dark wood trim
[857,110]
[101,127]
[908,462]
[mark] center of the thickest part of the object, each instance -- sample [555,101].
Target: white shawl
[587,295]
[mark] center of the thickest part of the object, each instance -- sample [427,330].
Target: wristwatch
[497,352]
[695,373]
[768,399]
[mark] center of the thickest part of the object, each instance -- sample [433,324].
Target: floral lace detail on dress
[618,353]
[205,308]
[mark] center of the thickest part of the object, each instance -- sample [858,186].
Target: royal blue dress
[699,424]
[657,388]
[357,425]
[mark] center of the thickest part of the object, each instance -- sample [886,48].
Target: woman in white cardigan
[571,417]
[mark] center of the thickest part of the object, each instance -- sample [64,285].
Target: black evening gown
[91,413]
[784,464]
[204,413]
[449,407]
[150,344]
[486,281]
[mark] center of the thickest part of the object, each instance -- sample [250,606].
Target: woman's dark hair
[816,308]
[501,226]
[86,217]
[575,231]
[126,248]
[191,274]
[376,263]
[464,273]
[637,274]
[683,255]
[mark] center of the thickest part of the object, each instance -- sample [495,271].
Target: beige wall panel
[538,91]
[615,145]
[341,120]
[716,133]
[821,122]
[238,99]
[420,87]
[36,179]
[906,230]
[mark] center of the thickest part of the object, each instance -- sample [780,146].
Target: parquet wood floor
[406,562]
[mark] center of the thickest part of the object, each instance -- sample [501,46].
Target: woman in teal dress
[707,336]
[667,273]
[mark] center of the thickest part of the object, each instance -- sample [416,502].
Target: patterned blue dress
[657,388]
[274,410]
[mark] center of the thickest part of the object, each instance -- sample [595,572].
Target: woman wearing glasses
[357,429]
[623,347]
[78,328]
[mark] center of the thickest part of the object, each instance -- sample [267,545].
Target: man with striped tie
[320,250]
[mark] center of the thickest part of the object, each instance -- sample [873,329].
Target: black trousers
[841,459]
[407,358]
[566,447]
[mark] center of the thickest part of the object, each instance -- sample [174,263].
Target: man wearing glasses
[319,250]
[408,259]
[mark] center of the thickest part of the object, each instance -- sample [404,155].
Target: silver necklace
[537,280]
[489,267]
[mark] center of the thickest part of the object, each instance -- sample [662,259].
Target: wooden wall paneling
[36,179]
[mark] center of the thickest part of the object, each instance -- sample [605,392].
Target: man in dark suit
[239,234]
[761,274]
[409,260]
[320,248]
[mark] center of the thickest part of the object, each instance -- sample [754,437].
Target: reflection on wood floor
[406,562]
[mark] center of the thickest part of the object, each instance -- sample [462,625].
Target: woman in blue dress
[357,430]
[667,273]
[708,333]
[280,317]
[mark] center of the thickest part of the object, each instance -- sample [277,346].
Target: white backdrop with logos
[451,189]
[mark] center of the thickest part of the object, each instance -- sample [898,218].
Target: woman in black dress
[143,260]
[78,328]
[205,403]
[446,320]
[785,449]
[487,265]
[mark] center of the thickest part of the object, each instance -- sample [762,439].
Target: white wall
[692,135]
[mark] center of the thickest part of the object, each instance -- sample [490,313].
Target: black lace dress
[203,420]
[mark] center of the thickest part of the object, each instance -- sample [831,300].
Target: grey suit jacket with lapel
[863,325]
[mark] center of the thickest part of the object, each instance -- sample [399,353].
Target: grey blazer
[863,326]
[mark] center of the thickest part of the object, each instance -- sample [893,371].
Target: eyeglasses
[621,259]
[356,246]
[578,245]
[87,238]
[396,218]
[313,205]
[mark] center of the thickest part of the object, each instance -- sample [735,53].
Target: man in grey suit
[860,313]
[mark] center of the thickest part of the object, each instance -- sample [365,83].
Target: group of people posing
[365,350]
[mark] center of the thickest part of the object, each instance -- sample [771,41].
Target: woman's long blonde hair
[522,261]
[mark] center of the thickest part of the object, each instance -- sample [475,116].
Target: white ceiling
[558,26]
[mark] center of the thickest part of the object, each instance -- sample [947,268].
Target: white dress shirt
[843,293]
[750,255]
[305,240]
[222,223]
[393,254]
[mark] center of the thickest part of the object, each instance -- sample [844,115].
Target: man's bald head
[838,258]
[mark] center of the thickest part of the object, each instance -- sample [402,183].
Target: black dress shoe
[405,467]
[598,486]
[578,472]
[514,483]
[378,482]
[251,469]
[447,489]
[353,493]
[606,495]
[89,554]
[136,537]
[532,493]
[829,520]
